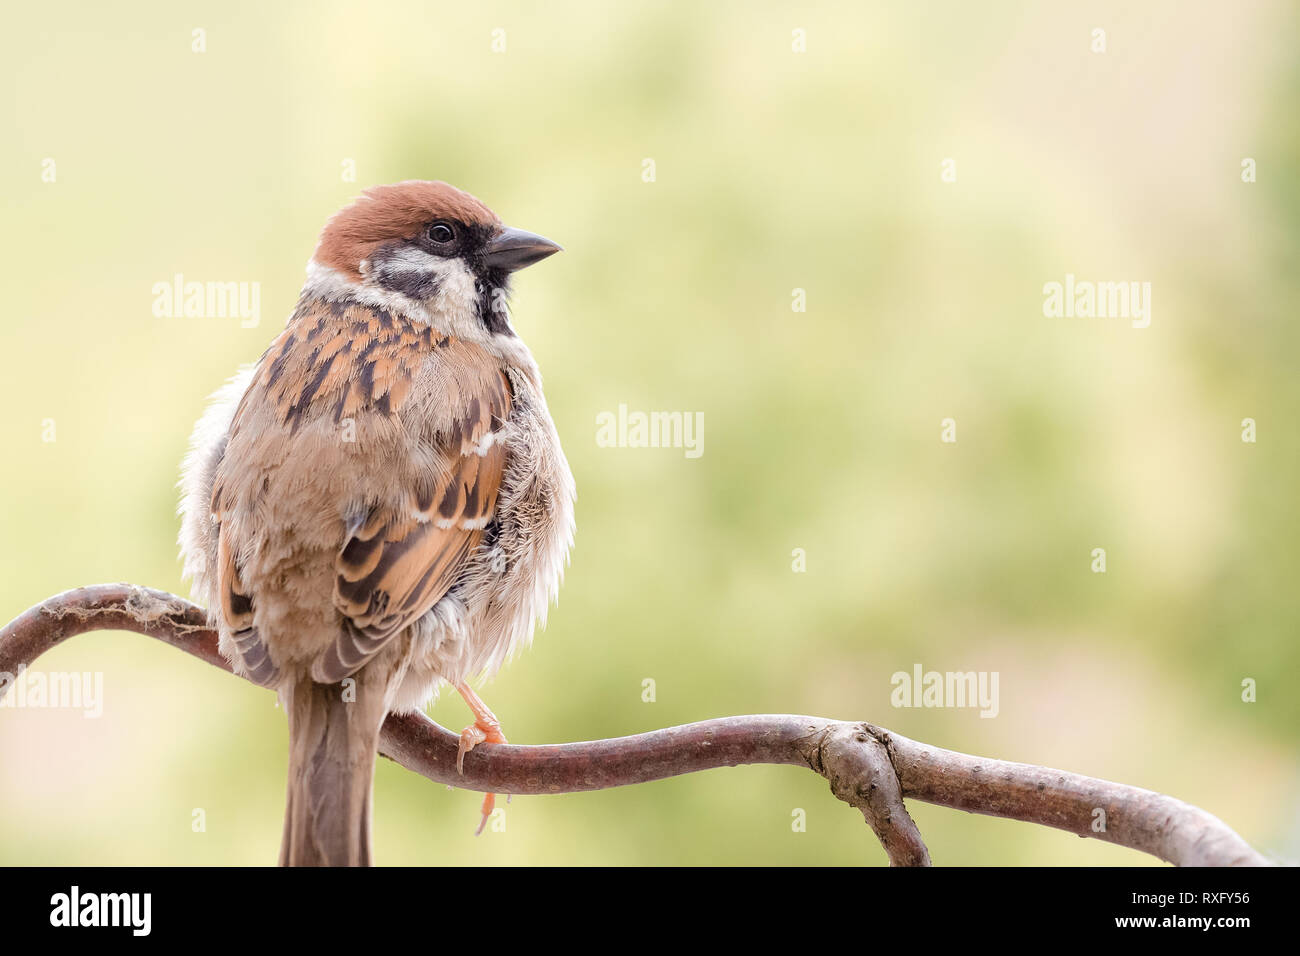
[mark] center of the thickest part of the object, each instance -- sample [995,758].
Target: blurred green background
[774,170]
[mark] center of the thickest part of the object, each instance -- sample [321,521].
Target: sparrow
[380,504]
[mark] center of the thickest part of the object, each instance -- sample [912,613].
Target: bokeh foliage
[775,171]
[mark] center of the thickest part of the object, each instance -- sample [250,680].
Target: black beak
[512,249]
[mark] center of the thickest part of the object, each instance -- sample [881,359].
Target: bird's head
[431,245]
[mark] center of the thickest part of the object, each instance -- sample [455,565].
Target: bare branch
[868,767]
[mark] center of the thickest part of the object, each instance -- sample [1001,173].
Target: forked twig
[869,767]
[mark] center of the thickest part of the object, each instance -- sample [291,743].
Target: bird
[380,505]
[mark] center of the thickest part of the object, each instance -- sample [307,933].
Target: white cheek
[457,289]
[455,305]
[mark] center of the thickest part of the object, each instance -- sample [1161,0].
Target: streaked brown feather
[338,361]
[394,567]
[237,612]
[344,358]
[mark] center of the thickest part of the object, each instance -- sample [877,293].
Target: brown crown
[385,213]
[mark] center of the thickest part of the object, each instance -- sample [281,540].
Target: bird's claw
[479,732]
[470,737]
[489,802]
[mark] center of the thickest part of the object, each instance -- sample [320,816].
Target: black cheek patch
[391,274]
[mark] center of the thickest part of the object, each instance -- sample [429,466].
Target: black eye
[441,233]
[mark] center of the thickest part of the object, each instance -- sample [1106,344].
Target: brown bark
[868,767]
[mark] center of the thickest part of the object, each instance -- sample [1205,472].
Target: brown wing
[237,611]
[395,566]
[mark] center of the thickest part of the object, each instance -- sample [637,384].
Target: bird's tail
[333,737]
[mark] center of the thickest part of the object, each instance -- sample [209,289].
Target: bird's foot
[473,735]
[486,729]
[479,732]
